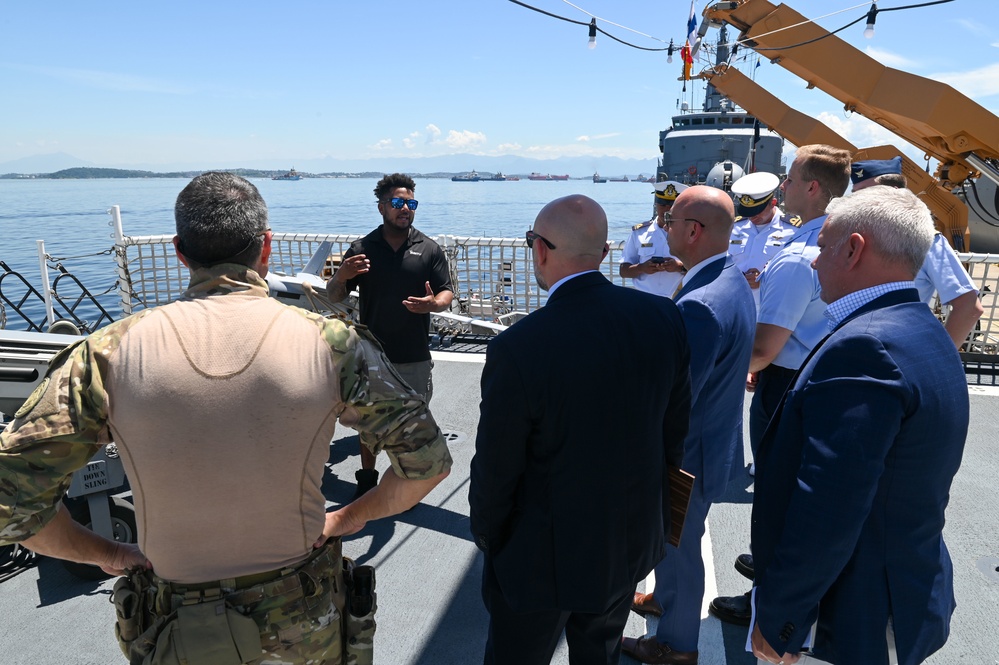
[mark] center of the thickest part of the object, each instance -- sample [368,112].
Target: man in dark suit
[579,418]
[717,306]
[855,469]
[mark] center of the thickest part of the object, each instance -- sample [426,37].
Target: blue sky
[221,84]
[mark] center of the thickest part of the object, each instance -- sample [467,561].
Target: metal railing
[48,310]
[493,277]
[984,270]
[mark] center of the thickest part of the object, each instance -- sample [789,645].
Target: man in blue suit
[717,306]
[856,467]
[569,494]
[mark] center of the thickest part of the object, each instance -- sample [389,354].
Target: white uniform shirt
[753,246]
[646,241]
[789,296]
[942,272]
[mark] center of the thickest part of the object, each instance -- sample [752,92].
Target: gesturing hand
[352,267]
[424,305]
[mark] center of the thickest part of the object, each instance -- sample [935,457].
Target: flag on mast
[692,31]
[686,53]
[688,61]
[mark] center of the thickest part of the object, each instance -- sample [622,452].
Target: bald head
[577,226]
[576,223]
[702,223]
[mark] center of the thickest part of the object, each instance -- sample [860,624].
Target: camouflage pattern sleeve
[376,400]
[57,430]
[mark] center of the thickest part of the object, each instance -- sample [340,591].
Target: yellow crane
[948,126]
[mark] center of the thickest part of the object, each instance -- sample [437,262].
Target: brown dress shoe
[651,650]
[644,604]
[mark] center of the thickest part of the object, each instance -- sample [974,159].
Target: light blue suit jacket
[718,309]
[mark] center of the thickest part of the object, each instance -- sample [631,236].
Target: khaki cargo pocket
[208,633]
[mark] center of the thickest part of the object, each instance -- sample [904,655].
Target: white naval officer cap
[754,192]
[668,190]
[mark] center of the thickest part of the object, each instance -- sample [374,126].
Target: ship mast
[713,98]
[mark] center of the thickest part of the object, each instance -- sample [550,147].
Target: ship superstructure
[719,143]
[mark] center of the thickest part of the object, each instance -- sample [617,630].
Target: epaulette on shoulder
[794,221]
[739,218]
[641,226]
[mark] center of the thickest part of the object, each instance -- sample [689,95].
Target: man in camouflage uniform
[222,405]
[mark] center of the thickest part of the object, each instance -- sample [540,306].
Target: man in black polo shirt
[402,277]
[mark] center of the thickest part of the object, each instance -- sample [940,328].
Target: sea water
[72,216]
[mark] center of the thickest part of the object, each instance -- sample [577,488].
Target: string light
[868,32]
[872,16]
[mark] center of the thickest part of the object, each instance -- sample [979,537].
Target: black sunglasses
[532,236]
[398,203]
[670,221]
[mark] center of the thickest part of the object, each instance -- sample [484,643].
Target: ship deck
[430,610]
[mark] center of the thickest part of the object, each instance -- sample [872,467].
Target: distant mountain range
[577,167]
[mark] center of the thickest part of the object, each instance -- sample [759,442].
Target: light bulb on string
[872,16]
[669,53]
[593,34]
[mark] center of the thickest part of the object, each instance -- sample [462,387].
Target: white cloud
[107,80]
[433,133]
[584,138]
[996,44]
[855,128]
[504,148]
[464,139]
[865,133]
[410,141]
[890,59]
[971,26]
[384,144]
[977,83]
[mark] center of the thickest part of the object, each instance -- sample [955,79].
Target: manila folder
[681,484]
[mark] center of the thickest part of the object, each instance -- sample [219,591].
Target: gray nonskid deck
[430,609]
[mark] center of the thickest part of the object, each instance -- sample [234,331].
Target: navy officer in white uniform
[942,271]
[761,229]
[646,258]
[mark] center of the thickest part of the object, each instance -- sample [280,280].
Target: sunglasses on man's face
[398,203]
[532,236]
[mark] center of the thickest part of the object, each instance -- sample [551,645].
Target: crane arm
[931,115]
[950,213]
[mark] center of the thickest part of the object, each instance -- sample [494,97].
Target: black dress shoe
[651,650]
[732,609]
[744,564]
